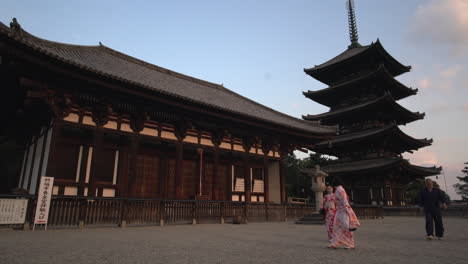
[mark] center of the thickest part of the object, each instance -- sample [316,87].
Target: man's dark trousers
[433,216]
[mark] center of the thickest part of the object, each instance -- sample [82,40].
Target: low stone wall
[455,211]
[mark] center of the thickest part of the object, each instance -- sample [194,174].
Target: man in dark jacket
[432,199]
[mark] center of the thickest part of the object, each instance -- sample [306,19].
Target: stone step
[311,219]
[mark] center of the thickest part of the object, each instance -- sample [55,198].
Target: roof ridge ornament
[15,26]
[353,34]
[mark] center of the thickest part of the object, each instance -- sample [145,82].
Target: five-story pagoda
[362,96]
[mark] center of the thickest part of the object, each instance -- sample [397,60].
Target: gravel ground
[391,240]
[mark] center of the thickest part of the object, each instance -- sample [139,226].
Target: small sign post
[43,201]
[13,211]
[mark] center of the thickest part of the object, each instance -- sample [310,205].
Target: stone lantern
[318,183]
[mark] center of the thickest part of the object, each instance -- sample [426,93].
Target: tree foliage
[414,188]
[297,184]
[462,187]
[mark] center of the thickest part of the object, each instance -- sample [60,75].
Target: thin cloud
[442,22]
[444,79]
[423,157]
[424,84]
[465,107]
[451,72]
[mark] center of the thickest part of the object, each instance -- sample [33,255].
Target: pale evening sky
[259,49]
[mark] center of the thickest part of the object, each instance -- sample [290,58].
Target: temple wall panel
[72,117]
[72,191]
[207,180]
[274,182]
[107,192]
[225,145]
[111,125]
[190,178]
[171,179]
[88,120]
[125,127]
[168,135]
[191,139]
[238,147]
[206,142]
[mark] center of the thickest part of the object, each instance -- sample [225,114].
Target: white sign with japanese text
[43,200]
[13,211]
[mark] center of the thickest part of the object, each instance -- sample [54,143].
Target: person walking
[431,200]
[329,210]
[345,221]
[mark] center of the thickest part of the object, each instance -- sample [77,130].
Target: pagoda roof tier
[345,63]
[380,108]
[380,164]
[390,136]
[134,74]
[375,82]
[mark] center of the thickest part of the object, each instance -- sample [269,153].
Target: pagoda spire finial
[353,34]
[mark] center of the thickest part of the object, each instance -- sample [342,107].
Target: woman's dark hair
[335,181]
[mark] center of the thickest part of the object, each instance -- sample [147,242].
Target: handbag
[322,211]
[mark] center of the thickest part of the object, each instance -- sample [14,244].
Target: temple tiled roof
[332,95]
[365,135]
[375,50]
[379,164]
[112,64]
[349,53]
[386,101]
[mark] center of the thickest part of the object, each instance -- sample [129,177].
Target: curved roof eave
[319,96]
[385,98]
[356,52]
[364,135]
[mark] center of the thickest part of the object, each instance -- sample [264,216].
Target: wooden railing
[66,211]
[455,211]
[368,211]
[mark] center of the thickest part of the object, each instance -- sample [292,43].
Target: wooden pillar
[200,181]
[229,176]
[216,177]
[98,137]
[283,172]
[163,174]
[266,182]
[247,182]
[179,170]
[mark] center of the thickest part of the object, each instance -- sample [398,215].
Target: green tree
[412,191]
[462,187]
[297,184]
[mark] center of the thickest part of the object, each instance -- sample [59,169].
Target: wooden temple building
[105,124]
[362,95]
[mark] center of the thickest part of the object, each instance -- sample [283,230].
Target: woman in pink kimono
[329,209]
[345,221]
